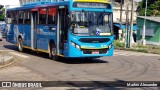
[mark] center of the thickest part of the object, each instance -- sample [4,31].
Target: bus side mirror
[72,17]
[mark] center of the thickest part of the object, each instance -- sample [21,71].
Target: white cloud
[9,2]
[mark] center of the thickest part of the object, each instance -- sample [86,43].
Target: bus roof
[96,1]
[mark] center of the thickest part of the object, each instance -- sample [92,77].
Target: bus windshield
[91,23]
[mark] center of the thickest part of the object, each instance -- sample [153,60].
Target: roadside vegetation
[152,10]
[2,13]
[137,47]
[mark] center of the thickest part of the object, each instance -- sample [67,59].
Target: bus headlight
[73,44]
[110,46]
[78,47]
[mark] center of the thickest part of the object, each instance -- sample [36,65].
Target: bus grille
[100,51]
[94,40]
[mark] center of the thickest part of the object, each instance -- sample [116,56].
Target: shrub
[140,46]
[118,44]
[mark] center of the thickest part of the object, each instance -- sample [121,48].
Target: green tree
[153,8]
[2,11]
[2,14]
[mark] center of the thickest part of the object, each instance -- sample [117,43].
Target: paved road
[123,66]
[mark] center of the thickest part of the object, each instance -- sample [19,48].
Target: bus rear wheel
[52,53]
[20,45]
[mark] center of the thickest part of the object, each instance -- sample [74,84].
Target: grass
[139,48]
[118,44]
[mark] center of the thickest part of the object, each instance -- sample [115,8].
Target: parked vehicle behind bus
[0,36]
[2,29]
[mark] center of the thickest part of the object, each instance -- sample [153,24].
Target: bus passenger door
[63,13]
[34,18]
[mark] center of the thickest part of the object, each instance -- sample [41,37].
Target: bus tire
[53,52]
[20,45]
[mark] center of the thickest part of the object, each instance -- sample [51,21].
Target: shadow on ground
[11,47]
[81,61]
[61,59]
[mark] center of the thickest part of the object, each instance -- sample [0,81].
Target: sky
[9,2]
[138,0]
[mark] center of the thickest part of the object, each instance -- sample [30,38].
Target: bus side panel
[10,33]
[19,31]
[13,32]
[66,46]
[27,35]
[44,35]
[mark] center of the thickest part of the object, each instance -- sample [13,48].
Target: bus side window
[8,15]
[51,15]
[42,16]
[27,18]
[8,18]
[20,17]
[14,17]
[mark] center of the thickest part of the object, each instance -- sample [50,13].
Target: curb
[6,61]
[134,50]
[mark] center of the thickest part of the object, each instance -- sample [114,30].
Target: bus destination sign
[91,5]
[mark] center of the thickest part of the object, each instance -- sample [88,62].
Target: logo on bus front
[97,32]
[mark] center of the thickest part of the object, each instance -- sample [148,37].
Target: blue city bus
[72,29]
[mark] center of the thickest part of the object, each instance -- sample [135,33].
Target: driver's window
[106,19]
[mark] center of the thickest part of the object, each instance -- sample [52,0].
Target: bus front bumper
[76,53]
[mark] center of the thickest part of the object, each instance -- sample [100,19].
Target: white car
[0,36]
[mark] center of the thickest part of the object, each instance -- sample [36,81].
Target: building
[120,25]
[152,31]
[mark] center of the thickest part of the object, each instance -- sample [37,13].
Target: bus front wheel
[52,53]
[20,45]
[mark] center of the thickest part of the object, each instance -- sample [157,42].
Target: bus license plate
[95,52]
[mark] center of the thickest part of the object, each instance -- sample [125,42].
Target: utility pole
[131,25]
[144,27]
[121,15]
[126,33]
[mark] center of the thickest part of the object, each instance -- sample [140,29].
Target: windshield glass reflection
[90,23]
